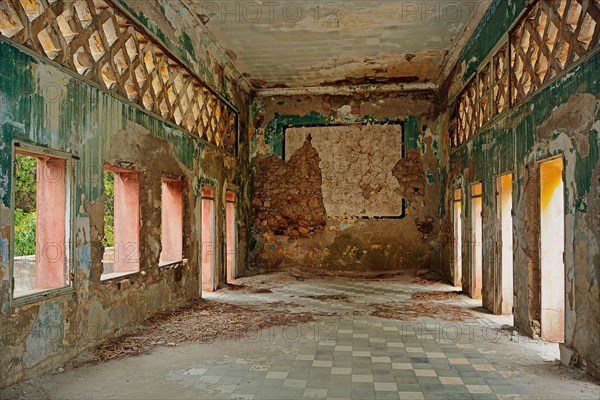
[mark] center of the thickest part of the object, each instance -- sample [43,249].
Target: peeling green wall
[515,141]
[493,27]
[274,131]
[44,104]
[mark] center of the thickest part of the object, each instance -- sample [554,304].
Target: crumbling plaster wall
[42,103]
[309,237]
[562,118]
[364,156]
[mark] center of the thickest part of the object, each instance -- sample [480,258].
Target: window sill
[41,295]
[115,275]
[172,264]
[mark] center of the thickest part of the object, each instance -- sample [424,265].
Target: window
[41,221]
[171,221]
[121,223]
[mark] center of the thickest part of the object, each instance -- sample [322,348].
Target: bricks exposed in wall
[409,173]
[356,163]
[287,195]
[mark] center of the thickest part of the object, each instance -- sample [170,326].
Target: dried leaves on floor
[427,277]
[329,297]
[414,310]
[441,295]
[241,288]
[202,321]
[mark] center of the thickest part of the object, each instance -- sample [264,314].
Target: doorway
[231,235]
[504,243]
[552,245]
[208,239]
[457,248]
[476,263]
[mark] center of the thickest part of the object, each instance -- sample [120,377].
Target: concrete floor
[350,355]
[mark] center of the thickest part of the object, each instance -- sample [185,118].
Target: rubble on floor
[202,321]
[329,297]
[414,310]
[241,288]
[437,295]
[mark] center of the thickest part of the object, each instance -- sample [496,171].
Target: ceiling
[284,43]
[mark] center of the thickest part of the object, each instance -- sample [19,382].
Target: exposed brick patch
[287,195]
[410,175]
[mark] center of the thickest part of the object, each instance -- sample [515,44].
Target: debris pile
[428,277]
[202,321]
[414,310]
[241,288]
[438,295]
[329,297]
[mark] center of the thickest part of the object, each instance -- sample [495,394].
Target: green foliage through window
[25,184]
[24,233]
[25,205]
[109,207]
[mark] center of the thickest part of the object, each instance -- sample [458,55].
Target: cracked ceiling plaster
[279,44]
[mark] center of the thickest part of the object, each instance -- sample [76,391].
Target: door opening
[457,248]
[552,244]
[208,239]
[476,241]
[504,250]
[230,235]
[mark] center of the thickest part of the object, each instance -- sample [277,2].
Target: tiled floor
[351,355]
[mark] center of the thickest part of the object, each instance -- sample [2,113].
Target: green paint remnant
[492,27]
[367,119]
[186,43]
[584,169]
[280,103]
[443,176]
[411,132]
[274,130]
[430,177]
[253,244]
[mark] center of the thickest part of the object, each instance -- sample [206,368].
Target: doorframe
[234,271]
[214,268]
[499,272]
[472,243]
[539,244]
[457,248]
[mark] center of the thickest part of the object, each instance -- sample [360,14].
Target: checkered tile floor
[358,356]
[352,355]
